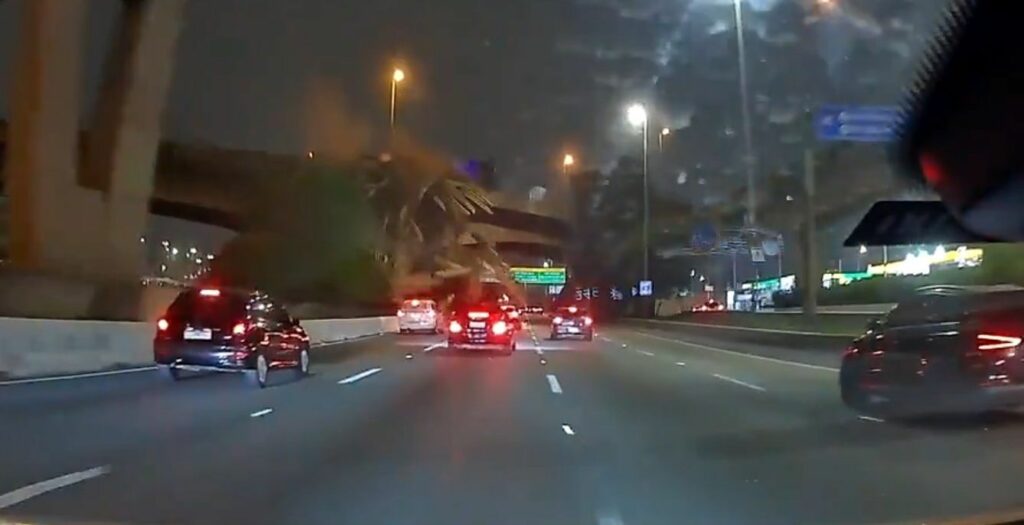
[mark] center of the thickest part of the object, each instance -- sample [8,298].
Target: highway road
[641,426]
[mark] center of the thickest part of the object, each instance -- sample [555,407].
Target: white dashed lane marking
[361,375]
[646,353]
[568,430]
[553,383]
[261,413]
[871,419]
[738,382]
[37,489]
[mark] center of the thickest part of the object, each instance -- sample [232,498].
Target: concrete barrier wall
[41,347]
[790,339]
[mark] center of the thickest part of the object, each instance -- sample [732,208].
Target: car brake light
[209,292]
[557,320]
[238,329]
[997,342]
[587,320]
[162,325]
[479,315]
[415,303]
[454,327]
[572,309]
[514,314]
[499,328]
[400,313]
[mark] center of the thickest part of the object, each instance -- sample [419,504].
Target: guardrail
[41,347]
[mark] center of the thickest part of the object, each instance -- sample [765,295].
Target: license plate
[573,330]
[198,334]
[478,324]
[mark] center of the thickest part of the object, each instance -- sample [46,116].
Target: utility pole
[812,279]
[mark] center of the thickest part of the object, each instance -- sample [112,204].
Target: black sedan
[572,321]
[950,350]
[229,331]
[484,326]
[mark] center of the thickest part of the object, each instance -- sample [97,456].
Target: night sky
[519,80]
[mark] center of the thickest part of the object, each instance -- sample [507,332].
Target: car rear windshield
[418,306]
[211,311]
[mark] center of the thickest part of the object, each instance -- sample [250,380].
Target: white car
[418,315]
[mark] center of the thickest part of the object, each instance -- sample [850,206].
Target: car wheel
[259,374]
[553,337]
[168,372]
[509,350]
[303,369]
[589,337]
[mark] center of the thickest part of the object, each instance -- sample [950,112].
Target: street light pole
[396,77]
[637,116]
[745,100]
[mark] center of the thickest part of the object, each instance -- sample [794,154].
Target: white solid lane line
[553,383]
[261,413]
[680,363]
[568,430]
[76,376]
[434,346]
[738,382]
[741,354]
[872,419]
[646,353]
[360,375]
[37,489]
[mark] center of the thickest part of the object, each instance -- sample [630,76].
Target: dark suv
[222,330]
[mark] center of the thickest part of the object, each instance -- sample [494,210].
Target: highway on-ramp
[641,426]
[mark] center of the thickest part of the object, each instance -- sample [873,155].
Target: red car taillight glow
[557,320]
[588,321]
[499,328]
[162,325]
[454,327]
[478,315]
[997,342]
[238,329]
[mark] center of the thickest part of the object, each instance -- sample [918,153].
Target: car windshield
[427,189]
[418,306]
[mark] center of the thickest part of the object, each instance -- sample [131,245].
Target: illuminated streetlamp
[568,161]
[661,138]
[397,76]
[636,114]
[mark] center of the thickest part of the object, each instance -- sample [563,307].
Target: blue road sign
[857,123]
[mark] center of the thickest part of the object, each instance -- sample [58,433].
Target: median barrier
[44,347]
[807,340]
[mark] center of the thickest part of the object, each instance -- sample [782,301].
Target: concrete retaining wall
[40,347]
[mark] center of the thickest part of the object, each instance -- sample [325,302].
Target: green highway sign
[531,275]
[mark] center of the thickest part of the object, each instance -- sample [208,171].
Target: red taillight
[997,342]
[572,309]
[499,328]
[209,292]
[238,329]
[557,320]
[454,327]
[162,325]
[514,314]
[400,313]
[851,351]
[587,320]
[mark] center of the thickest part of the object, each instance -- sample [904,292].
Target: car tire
[258,375]
[508,350]
[589,337]
[302,370]
[168,372]
[553,337]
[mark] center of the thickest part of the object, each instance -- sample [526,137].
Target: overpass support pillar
[125,136]
[53,226]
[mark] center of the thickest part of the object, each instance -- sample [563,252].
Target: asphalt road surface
[639,426]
